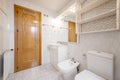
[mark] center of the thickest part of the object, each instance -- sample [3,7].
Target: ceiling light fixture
[73,9]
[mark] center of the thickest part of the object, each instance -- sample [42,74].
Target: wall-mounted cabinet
[98,16]
[72,37]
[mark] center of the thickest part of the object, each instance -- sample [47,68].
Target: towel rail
[7,50]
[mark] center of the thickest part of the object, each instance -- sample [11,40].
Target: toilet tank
[58,53]
[101,63]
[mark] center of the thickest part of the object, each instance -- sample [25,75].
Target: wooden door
[72,37]
[27,38]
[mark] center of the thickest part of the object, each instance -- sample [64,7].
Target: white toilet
[59,60]
[100,67]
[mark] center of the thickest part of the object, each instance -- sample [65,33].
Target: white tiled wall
[1,44]
[6,35]
[1,30]
[52,35]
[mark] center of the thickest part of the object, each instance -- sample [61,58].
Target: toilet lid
[87,75]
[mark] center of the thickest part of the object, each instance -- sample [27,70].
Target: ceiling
[69,14]
[61,8]
[52,5]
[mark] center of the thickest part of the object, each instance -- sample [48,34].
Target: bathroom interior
[59,39]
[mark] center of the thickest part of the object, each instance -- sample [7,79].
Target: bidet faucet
[73,60]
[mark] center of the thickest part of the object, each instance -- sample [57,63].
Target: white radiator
[7,63]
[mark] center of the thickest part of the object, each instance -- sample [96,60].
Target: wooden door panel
[27,39]
[72,37]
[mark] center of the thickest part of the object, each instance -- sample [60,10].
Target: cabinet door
[72,37]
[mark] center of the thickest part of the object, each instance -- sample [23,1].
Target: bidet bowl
[67,66]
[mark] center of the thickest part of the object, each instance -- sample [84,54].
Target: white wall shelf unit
[92,5]
[98,31]
[98,16]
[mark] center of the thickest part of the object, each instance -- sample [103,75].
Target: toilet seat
[87,75]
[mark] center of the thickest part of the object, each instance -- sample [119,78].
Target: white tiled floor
[44,72]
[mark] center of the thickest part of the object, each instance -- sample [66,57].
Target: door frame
[16,35]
